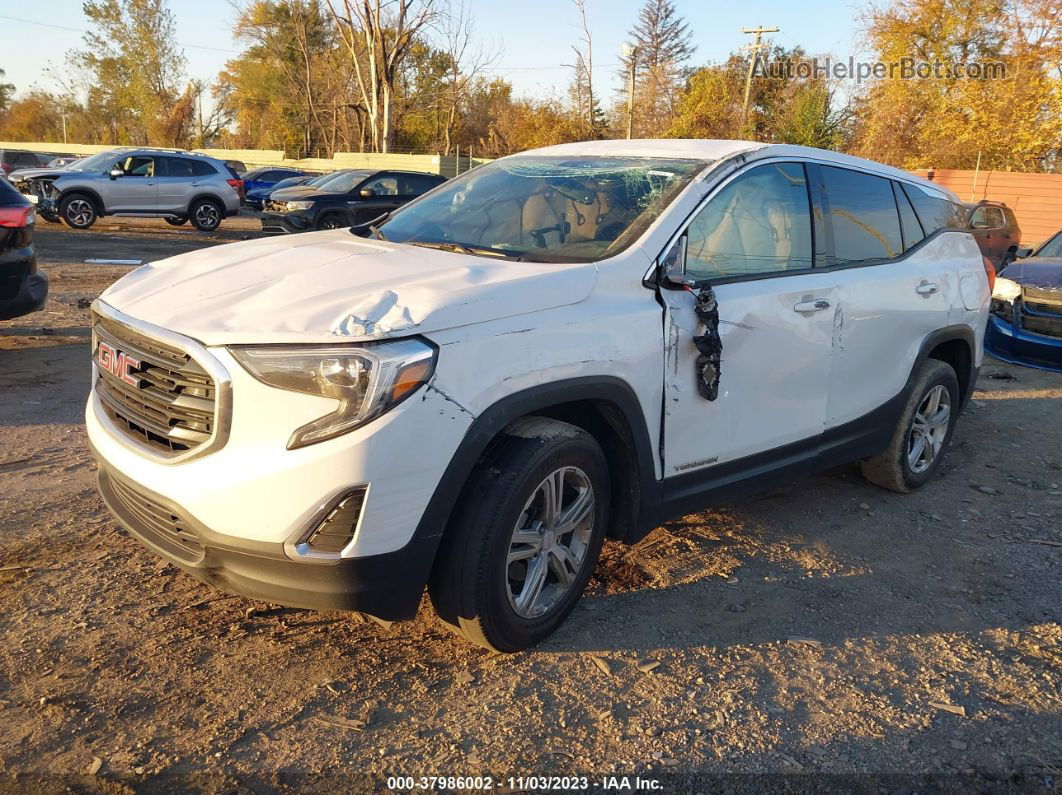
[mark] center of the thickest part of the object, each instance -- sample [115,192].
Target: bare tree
[464,63]
[379,35]
[583,82]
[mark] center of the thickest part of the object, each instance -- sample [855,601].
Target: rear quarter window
[935,212]
[201,168]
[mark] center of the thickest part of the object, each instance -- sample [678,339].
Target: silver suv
[164,183]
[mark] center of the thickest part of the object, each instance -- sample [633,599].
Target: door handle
[927,289]
[812,306]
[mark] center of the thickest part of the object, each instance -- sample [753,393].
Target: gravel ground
[828,635]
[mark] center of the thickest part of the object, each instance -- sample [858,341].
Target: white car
[571,343]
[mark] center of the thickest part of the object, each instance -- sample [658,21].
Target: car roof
[720,149]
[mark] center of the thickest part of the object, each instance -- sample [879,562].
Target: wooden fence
[1035,198]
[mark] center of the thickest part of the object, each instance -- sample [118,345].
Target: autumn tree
[7,91]
[1012,122]
[662,44]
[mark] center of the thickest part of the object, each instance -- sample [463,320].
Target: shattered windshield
[1052,248]
[545,209]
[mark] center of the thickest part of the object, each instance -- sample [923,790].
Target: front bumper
[388,586]
[31,296]
[1014,344]
[286,223]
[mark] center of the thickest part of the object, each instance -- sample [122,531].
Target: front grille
[276,207]
[153,522]
[1042,311]
[161,396]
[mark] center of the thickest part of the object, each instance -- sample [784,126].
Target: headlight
[366,379]
[299,205]
[1006,290]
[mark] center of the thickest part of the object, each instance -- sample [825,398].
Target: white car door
[891,294]
[753,241]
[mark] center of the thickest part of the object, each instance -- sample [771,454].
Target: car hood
[1035,272]
[330,286]
[28,173]
[291,192]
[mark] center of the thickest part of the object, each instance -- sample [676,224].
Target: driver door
[136,190]
[753,242]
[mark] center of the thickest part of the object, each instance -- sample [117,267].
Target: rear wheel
[206,215]
[922,434]
[176,221]
[78,211]
[523,546]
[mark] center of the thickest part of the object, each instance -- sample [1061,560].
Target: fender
[962,333]
[490,422]
[101,208]
[211,196]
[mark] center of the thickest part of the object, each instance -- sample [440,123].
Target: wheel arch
[955,346]
[211,197]
[604,406]
[92,194]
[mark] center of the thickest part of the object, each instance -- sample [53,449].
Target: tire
[176,221]
[332,221]
[474,590]
[898,467]
[205,214]
[78,211]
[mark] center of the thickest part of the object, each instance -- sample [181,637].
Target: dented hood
[329,286]
[1044,272]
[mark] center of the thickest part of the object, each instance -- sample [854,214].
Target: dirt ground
[829,635]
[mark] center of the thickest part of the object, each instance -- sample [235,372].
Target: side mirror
[1023,252]
[366,193]
[114,173]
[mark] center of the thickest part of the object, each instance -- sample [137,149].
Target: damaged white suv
[567,344]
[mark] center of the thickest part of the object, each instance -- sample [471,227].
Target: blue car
[1025,324]
[267,177]
[257,198]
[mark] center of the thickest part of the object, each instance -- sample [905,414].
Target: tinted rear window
[866,225]
[935,212]
[416,184]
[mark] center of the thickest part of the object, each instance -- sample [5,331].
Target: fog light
[336,529]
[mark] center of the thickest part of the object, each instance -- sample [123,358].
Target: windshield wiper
[460,248]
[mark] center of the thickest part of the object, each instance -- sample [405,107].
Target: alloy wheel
[929,428]
[80,212]
[207,215]
[549,545]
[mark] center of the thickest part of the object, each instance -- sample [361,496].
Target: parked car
[349,198]
[256,198]
[62,160]
[1025,326]
[14,159]
[170,184]
[268,177]
[567,344]
[23,288]
[996,231]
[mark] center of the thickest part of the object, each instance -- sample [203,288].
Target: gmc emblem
[117,363]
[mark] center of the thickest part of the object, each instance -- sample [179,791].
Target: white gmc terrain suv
[571,343]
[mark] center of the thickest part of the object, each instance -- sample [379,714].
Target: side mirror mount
[114,173]
[366,193]
[1023,252]
[673,266]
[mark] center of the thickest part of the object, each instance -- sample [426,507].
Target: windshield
[97,162]
[343,183]
[545,209]
[323,178]
[1052,248]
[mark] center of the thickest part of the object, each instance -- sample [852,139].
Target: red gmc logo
[117,363]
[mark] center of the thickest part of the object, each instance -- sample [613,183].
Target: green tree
[663,43]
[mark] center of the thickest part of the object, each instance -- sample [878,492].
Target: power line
[82,30]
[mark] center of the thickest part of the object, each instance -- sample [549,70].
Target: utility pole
[630,52]
[758,31]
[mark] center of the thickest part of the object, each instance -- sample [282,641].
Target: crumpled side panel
[709,345]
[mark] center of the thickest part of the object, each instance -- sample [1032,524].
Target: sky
[534,38]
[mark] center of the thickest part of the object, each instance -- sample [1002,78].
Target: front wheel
[922,434]
[206,215]
[526,538]
[78,211]
[332,221]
